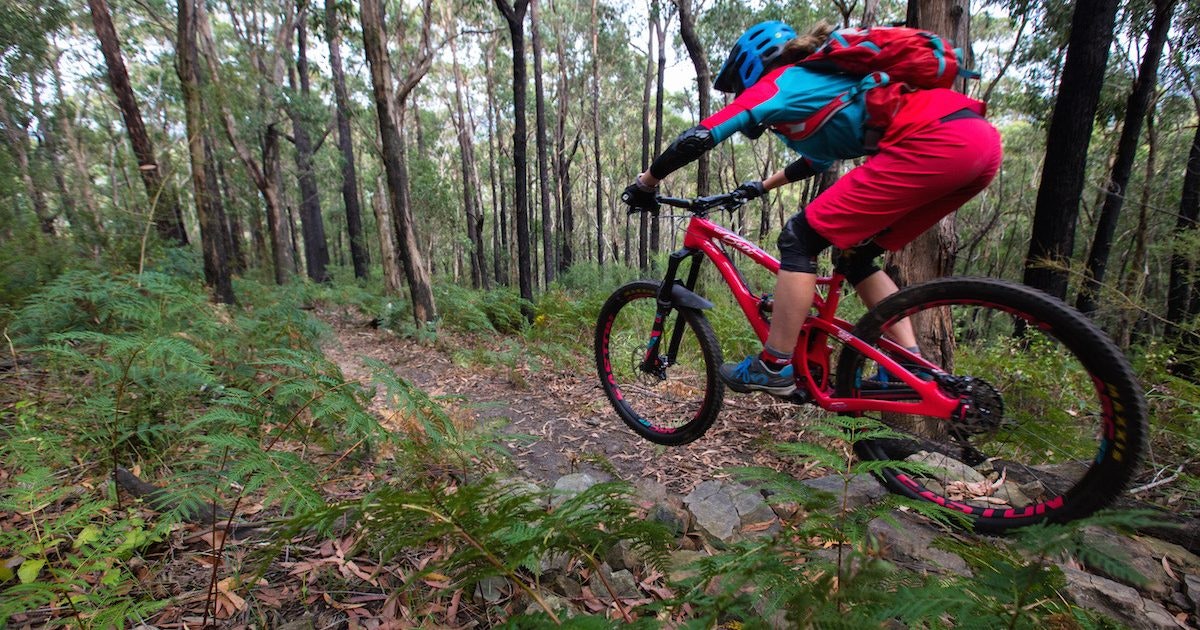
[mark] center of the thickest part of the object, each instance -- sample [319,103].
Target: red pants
[909,186]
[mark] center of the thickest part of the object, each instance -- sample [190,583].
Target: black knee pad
[799,245]
[858,263]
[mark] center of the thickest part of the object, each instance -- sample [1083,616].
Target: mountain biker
[937,153]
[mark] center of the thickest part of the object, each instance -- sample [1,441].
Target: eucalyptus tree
[389,105]
[316,248]
[167,215]
[212,235]
[514,16]
[1136,108]
[350,194]
[1053,238]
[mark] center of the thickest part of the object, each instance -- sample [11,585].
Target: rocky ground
[572,440]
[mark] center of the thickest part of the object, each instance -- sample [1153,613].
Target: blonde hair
[805,44]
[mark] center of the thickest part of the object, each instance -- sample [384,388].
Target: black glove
[640,197]
[751,190]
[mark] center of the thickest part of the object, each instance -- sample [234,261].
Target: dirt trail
[566,420]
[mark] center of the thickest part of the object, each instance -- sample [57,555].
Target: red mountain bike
[1037,416]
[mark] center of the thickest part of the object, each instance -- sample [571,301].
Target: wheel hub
[980,407]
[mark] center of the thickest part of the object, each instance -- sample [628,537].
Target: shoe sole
[743,388]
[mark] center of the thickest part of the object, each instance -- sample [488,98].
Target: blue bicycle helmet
[752,55]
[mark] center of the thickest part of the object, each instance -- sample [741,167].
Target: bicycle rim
[1051,421]
[674,401]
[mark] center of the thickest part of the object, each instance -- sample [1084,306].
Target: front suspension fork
[655,362]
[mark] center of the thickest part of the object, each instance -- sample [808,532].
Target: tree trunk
[562,160]
[350,198]
[168,217]
[596,136]
[266,176]
[216,271]
[514,15]
[1180,288]
[660,29]
[81,163]
[1053,239]
[417,274]
[1136,107]
[931,255]
[312,224]
[695,48]
[393,275]
[647,86]
[499,273]
[466,152]
[549,266]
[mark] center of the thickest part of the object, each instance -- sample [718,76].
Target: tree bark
[1180,298]
[695,48]
[514,15]
[596,136]
[499,273]
[1057,208]
[1136,107]
[266,176]
[216,271]
[466,152]
[350,197]
[312,224]
[647,86]
[549,265]
[375,49]
[660,29]
[393,275]
[562,160]
[168,217]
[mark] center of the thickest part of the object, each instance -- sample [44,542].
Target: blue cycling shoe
[752,375]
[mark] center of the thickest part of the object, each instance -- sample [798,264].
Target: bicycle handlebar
[700,205]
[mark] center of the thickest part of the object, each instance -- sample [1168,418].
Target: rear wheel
[1051,419]
[667,400]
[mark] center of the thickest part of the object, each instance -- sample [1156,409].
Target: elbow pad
[688,147]
[798,170]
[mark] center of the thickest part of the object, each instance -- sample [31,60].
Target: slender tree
[514,15]
[216,271]
[466,152]
[167,215]
[350,197]
[265,175]
[695,48]
[596,135]
[1053,239]
[387,101]
[1136,108]
[312,223]
[543,146]
[1181,295]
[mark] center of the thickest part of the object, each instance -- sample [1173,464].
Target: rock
[1035,489]
[652,491]
[1012,494]
[490,590]
[675,520]
[554,562]
[1176,556]
[1138,555]
[1118,601]
[714,513]
[679,564]
[568,586]
[786,511]
[1191,584]
[724,510]
[861,490]
[560,606]
[953,469]
[912,544]
[571,485]
[622,582]
[623,556]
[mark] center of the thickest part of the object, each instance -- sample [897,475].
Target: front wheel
[1051,420]
[667,398]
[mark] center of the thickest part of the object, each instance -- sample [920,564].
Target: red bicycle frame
[813,353]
